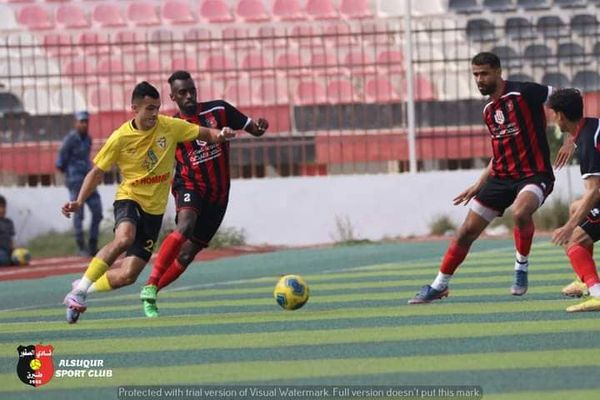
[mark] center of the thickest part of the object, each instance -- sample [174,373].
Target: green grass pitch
[220,325]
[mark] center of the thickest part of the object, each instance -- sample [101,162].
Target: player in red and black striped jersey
[200,186]
[519,173]
[583,227]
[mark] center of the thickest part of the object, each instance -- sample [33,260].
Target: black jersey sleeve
[590,149]
[536,93]
[235,119]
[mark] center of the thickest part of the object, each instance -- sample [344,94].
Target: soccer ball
[21,256]
[291,292]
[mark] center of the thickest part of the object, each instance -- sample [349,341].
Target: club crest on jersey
[499,117]
[161,142]
[35,365]
[211,121]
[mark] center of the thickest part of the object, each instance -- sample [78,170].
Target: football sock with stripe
[172,273]
[169,250]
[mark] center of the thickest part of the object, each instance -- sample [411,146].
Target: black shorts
[210,215]
[591,224]
[498,194]
[147,227]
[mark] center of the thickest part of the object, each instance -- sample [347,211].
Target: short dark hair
[179,76]
[486,58]
[2,201]
[142,90]
[567,101]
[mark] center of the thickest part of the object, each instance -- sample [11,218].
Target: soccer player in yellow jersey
[144,151]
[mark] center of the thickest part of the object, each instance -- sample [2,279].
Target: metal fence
[335,93]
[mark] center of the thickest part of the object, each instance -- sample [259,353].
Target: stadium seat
[238,37]
[310,92]
[380,89]
[34,17]
[239,94]
[252,11]
[464,6]
[480,30]
[499,5]
[519,28]
[257,64]
[585,24]
[556,79]
[552,26]
[71,16]
[37,101]
[571,3]
[168,40]
[596,51]
[130,41]
[509,56]
[455,86]
[59,44]
[324,64]
[587,81]
[209,90]
[215,11]
[148,68]
[534,4]
[220,66]
[80,71]
[377,33]
[201,38]
[321,9]
[355,9]
[177,12]
[290,63]
[288,10]
[341,91]
[423,88]
[107,98]
[270,36]
[94,43]
[360,62]
[338,34]
[108,14]
[112,68]
[539,55]
[391,60]
[306,36]
[520,77]
[273,92]
[7,16]
[143,14]
[571,53]
[185,63]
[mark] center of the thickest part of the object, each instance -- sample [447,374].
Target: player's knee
[521,217]
[122,243]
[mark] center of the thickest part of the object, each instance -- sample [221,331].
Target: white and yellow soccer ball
[291,292]
[21,256]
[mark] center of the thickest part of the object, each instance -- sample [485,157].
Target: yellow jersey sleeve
[109,153]
[183,130]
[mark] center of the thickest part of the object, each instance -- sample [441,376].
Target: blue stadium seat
[556,79]
[499,5]
[508,55]
[552,26]
[534,4]
[480,30]
[464,6]
[596,51]
[539,55]
[585,24]
[587,81]
[571,53]
[519,28]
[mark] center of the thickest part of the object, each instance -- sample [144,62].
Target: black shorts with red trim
[591,224]
[499,194]
[210,215]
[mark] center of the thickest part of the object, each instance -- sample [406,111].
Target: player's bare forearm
[90,183]
[565,152]
[214,135]
[587,202]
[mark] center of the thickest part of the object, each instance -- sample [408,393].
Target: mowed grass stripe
[270,316]
[401,296]
[257,371]
[314,337]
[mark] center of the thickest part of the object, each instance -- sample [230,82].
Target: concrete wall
[300,211]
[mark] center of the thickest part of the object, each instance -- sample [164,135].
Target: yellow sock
[102,284]
[95,269]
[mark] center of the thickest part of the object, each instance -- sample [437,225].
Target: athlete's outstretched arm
[258,128]
[214,135]
[90,183]
[472,190]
